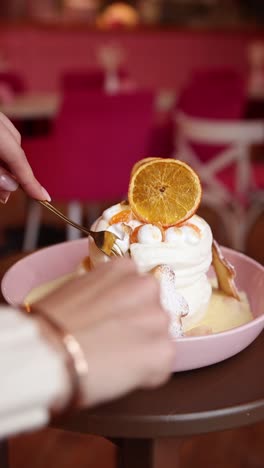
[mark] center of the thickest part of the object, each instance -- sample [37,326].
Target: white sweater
[32,374]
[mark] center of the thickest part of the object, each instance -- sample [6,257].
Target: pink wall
[155,58]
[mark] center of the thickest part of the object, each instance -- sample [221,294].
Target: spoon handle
[62,216]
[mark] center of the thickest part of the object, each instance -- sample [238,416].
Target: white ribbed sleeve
[32,374]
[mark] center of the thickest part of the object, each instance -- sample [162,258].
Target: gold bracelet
[75,360]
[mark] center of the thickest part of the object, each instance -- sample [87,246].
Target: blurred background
[95,85]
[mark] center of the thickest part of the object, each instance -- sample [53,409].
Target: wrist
[63,396]
[71,355]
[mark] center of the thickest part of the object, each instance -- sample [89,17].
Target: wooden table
[32,106]
[44,105]
[148,425]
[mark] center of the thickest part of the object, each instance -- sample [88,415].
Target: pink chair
[218,93]
[96,140]
[213,94]
[13,80]
[82,79]
[87,80]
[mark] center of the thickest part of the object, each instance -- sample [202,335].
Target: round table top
[222,396]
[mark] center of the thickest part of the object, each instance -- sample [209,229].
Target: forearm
[32,374]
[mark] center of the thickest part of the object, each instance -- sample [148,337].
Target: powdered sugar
[173,302]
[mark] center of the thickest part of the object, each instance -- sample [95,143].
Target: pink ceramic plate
[191,352]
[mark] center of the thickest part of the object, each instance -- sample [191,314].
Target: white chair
[237,137]
[256,207]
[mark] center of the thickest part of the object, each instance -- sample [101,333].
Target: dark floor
[241,448]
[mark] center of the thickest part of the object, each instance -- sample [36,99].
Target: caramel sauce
[223,313]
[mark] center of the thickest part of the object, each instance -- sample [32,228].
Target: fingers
[4,196]
[155,322]
[114,288]
[12,129]
[7,185]
[88,294]
[128,353]
[157,352]
[159,363]
[134,292]
[7,182]
[116,315]
[106,278]
[14,157]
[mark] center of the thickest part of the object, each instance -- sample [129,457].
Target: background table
[148,425]
[32,106]
[33,113]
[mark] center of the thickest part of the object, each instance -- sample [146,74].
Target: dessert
[159,228]
[186,251]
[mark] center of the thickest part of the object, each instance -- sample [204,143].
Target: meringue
[185,249]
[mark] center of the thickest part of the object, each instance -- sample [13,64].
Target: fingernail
[4,198]
[8,183]
[46,194]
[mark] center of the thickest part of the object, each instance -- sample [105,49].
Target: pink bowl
[191,352]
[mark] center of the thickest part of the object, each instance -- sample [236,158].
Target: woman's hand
[116,316]
[15,169]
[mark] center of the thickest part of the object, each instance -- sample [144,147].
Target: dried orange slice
[165,191]
[225,272]
[140,163]
[122,217]
[134,235]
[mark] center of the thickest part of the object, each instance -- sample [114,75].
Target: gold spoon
[104,240]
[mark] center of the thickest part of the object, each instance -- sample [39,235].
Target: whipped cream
[149,234]
[186,249]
